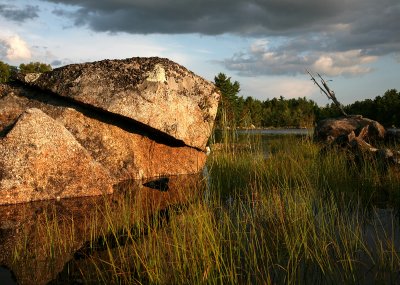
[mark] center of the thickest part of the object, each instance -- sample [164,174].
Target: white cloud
[13,48]
[270,87]
[293,88]
[339,27]
[337,63]
[291,58]
[259,46]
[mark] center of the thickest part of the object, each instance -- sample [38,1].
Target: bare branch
[316,82]
[327,91]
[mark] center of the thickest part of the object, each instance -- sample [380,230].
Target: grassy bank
[288,215]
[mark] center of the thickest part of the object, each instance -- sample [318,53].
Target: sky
[265,45]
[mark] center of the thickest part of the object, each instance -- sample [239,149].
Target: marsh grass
[288,214]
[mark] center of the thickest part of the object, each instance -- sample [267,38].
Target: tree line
[385,109]
[7,71]
[236,112]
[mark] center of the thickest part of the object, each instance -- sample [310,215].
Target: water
[6,277]
[26,228]
[266,134]
[272,132]
[44,236]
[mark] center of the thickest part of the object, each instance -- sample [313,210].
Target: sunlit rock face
[41,160]
[153,91]
[130,119]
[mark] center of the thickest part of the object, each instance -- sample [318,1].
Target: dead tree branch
[327,91]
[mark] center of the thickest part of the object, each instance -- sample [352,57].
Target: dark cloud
[342,28]
[208,17]
[345,44]
[17,14]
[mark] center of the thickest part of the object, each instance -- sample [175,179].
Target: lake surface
[271,132]
[266,133]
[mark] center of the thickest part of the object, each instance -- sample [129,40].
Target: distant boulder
[337,130]
[393,135]
[357,135]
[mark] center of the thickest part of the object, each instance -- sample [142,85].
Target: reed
[282,214]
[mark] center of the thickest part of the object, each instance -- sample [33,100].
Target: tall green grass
[291,215]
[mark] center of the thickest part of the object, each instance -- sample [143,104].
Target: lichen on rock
[86,127]
[153,91]
[157,74]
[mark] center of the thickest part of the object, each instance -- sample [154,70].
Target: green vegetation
[383,109]
[6,71]
[34,67]
[229,108]
[281,220]
[235,111]
[240,112]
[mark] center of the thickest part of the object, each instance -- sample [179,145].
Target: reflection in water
[158,184]
[37,239]
[6,276]
[381,232]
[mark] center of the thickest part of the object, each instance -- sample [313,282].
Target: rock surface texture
[335,130]
[39,161]
[357,135]
[103,122]
[153,91]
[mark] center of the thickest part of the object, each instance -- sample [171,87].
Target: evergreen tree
[5,72]
[34,67]
[229,108]
[384,109]
[234,111]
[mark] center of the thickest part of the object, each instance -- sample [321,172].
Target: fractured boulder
[122,119]
[154,91]
[337,129]
[41,160]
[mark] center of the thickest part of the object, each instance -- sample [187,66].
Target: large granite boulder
[153,91]
[41,159]
[122,146]
[127,151]
[338,129]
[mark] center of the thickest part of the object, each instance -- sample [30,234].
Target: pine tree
[228,108]
[34,67]
[5,72]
